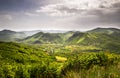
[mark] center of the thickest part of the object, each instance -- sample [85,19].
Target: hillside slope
[44,38]
[108,39]
[19,53]
[8,35]
[99,37]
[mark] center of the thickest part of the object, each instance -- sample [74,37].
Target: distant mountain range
[48,38]
[93,37]
[8,35]
[99,37]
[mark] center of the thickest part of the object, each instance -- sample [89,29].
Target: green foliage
[20,60]
[7,35]
[95,72]
[41,61]
[105,38]
[92,65]
[44,38]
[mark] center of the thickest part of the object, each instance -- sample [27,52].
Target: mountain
[75,38]
[105,38]
[105,30]
[94,37]
[49,38]
[114,33]
[8,35]
[44,38]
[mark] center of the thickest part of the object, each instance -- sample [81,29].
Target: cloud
[6,17]
[57,10]
[88,13]
[72,7]
[55,14]
[31,14]
[19,5]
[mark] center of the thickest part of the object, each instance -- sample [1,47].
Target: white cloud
[31,14]
[55,10]
[72,7]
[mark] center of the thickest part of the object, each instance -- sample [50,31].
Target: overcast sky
[81,15]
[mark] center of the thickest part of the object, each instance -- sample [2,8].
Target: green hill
[76,38]
[35,61]
[99,37]
[48,38]
[19,53]
[25,61]
[105,30]
[94,37]
[44,38]
[8,35]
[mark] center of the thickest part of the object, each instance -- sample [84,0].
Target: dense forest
[73,54]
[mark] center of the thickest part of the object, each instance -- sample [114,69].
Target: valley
[67,54]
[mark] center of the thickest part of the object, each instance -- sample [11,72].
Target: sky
[20,15]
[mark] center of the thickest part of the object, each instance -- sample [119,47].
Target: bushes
[43,72]
[95,72]
[21,61]
[28,71]
[90,63]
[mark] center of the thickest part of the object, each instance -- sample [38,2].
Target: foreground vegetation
[57,61]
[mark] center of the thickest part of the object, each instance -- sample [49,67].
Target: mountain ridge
[71,37]
[8,35]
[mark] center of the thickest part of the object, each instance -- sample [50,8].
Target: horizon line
[57,29]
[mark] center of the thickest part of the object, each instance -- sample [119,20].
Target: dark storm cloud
[113,17]
[18,5]
[101,16]
[106,17]
[116,5]
[109,16]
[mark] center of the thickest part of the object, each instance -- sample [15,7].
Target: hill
[105,30]
[19,53]
[48,38]
[94,37]
[44,38]
[8,35]
[105,38]
[25,61]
